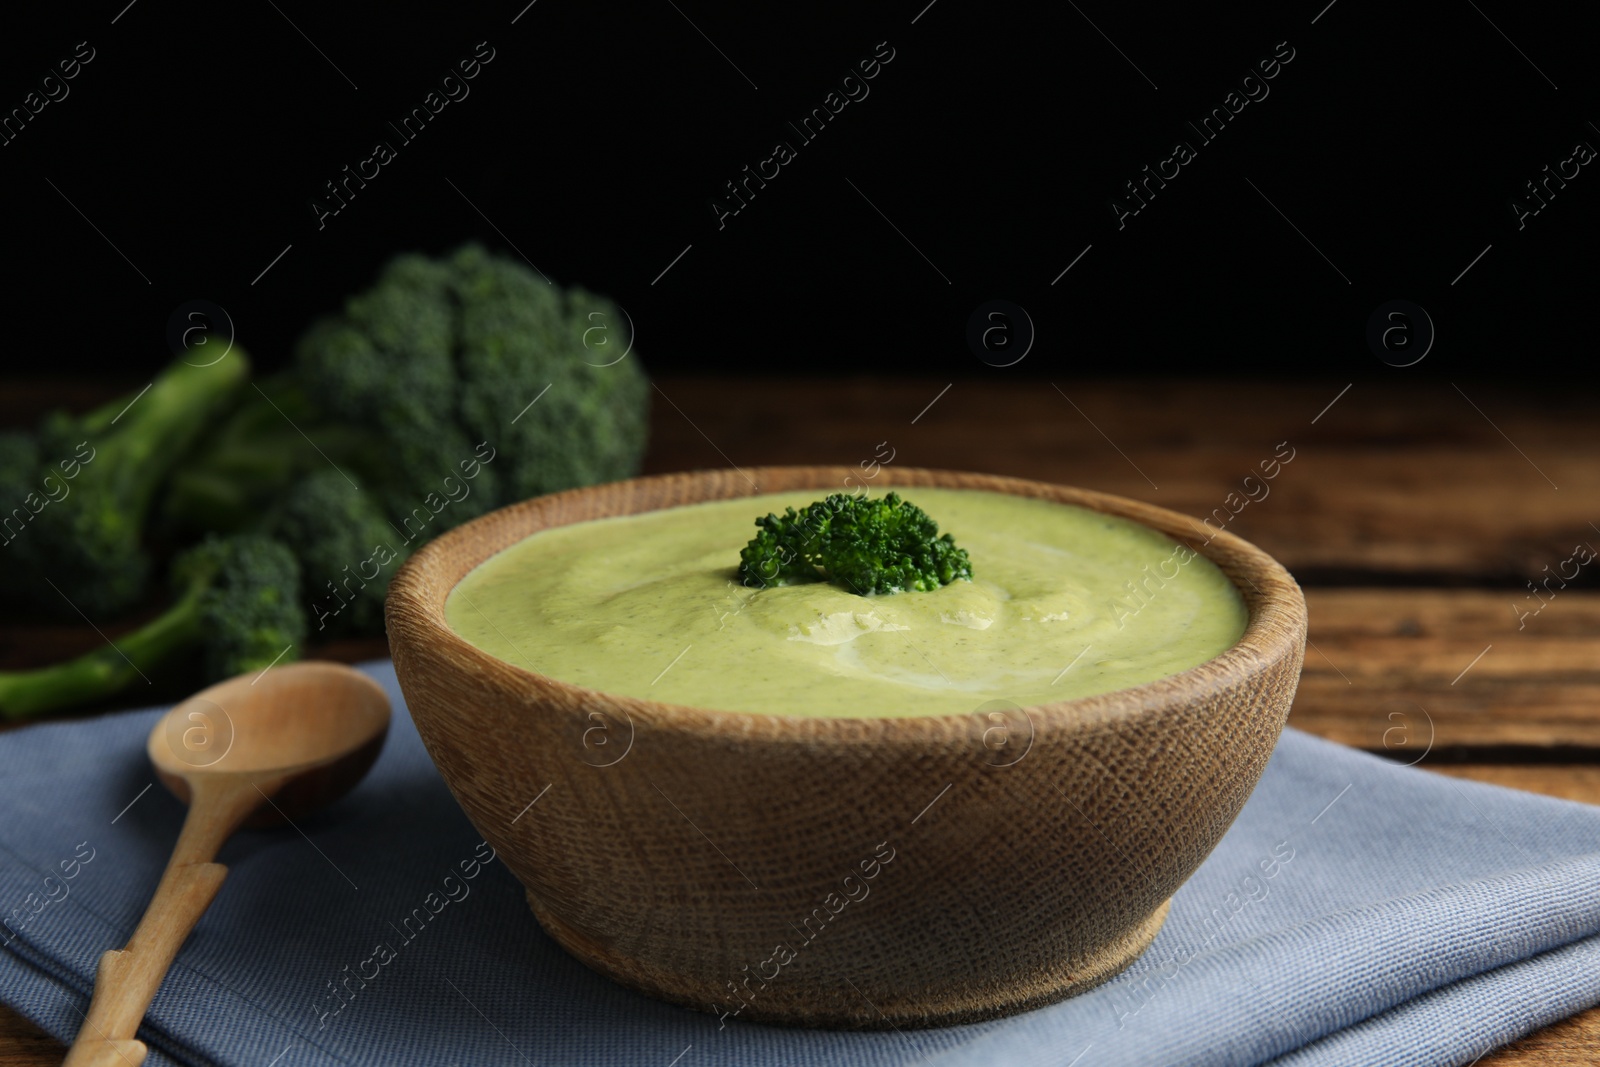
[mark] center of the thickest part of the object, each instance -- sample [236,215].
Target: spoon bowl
[315,727]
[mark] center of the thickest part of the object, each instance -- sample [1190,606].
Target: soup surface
[1064,602]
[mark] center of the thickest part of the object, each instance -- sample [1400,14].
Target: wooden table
[1413,514]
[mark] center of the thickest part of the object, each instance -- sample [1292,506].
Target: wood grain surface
[1413,514]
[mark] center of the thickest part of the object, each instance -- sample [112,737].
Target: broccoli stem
[154,431]
[106,671]
[261,448]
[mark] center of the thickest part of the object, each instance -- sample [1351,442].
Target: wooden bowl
[859,873]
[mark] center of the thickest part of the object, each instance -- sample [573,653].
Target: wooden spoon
[265,748]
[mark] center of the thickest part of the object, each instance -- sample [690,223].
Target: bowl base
[819,1007]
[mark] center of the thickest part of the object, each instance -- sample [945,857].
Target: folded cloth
[1358,911]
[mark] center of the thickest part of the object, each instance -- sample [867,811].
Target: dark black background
[994,141]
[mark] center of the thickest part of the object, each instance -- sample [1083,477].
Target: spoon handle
[127,978]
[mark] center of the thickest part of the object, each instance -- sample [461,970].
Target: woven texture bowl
[861,872]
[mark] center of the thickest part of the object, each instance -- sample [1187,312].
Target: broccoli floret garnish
[77,519]
[865,546]
[236,607]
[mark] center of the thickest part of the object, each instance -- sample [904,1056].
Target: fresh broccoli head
[80,519]
[347,551]
[236,607]
[865,546]
[423,391]
[519,338]
[394,365]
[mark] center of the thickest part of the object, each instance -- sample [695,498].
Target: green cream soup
[1064,602]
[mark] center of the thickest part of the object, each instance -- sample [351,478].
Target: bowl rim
[1275,629]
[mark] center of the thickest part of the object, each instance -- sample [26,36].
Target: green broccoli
[238,470]
[422,391]
[76,520]
[449,387]
[20,477]
[18,469]
[347,551]
[865,546]
[19,460]
[235,606]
